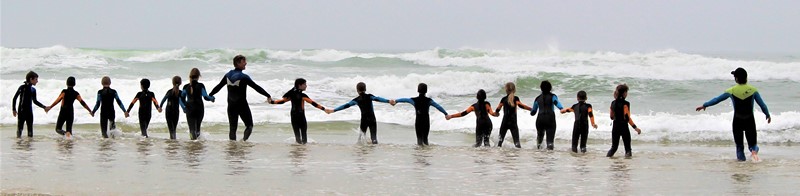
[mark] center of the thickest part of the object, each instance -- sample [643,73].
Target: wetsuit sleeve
[465,112]
[164,100]
[499,107]
[438,107]
[96,104]
[80,99]
[119,102]
[717,99]
[489,109]
[155,101]
[133,102]
[182,103]
[557,103]
[219,86]
[761,104]
[14,101]
[611,111]
[523,106]
[313,103]
[628,114]
[33,98]
[60,97]
[280,101]
[206,96]
[258,88]
[345,106]
[405,100]
[379,99]
[535,107]
[591,114]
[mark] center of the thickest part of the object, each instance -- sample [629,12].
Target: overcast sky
[690,26]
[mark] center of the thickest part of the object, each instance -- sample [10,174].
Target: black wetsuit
[422,123]
[298,113]
[364,102]
[237,83]
[25,112]
[483,124]
[145,107]
[509,121]
[620,127]
[67,113]
[580,129]
[546,121]
[105,98]
[193,95]
[172,112]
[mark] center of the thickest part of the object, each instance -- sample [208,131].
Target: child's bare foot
[754,156]
[68,135]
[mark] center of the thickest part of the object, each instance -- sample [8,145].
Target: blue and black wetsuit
[144,98]
[237,83]
[364,102]
[67,113]
[173,100]
[546,121]
[193,95]
[25,112]
[510,119]
[580,129]
[743,96]
[621,118]
[422,123]
[298,113]
[483,124]
[105,98]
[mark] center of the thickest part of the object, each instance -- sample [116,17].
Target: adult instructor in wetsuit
[744,123]
[237,83]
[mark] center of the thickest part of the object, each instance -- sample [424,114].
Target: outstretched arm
[464,113]
[60,97]
[206,96]
[119,102]
[313,103]
[438,107]
[535,108]
[345,106]
[96,104]
[762,105]
[405,100]
[557,103]
[280,101]
[130,107]
[219,86]
[83,104]
[258,88]
[33,97]
[164,100]
[379,99]
[523,106]
[499,107]
[714,101]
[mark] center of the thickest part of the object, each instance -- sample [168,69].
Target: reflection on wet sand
[236,155]
[298,156]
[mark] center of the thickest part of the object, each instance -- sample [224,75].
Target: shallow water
[336,163]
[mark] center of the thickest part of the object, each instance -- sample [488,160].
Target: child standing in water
[25,113]
[145,97]
[546,121]
[173,99]
[621,117]
[744,123]
[509,114]
[364,102]
[298,113]
[67,114]
[422,105]
[483,125]
[193,95]
[580,129]
[105,98]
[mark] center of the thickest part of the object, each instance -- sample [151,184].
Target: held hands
[329,111]
[392,102]
[159,110]
[496,114]
[448,117]
[47,109]
[127,115]
[564,111]
[269,100]
[213,99]
[91,114]
[769,120]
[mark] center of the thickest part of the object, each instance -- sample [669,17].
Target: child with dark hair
[364,102]
[621,116]
[483,125]
[105,98]
[546,121]
[145,97]
[580,129]
[173,99]
[25,113]
[67,114]
[422,105]
[298,112]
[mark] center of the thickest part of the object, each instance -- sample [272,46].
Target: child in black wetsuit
[193,95]
[298,113]
[510,114]
[173,99]
[105,98]
[67,114]
[364,102]
[546,121]
[25,113]
[621,116]
[145,97]
[580,129]
[422,105]
[483,125]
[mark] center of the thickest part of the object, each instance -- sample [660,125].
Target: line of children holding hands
[190,99]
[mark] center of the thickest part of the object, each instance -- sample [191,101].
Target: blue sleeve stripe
[717,99]
[761,104]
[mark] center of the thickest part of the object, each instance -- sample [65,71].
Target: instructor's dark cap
[739,73]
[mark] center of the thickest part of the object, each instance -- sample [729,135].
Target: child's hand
[496,114]
[700,108]
[329,111]
[564,111]
[47,109]
[392,102]
[448,117]
[159,110]
[638,131]
[91,114]
[269,99]
[127,115]
[15,113]
[595,126]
